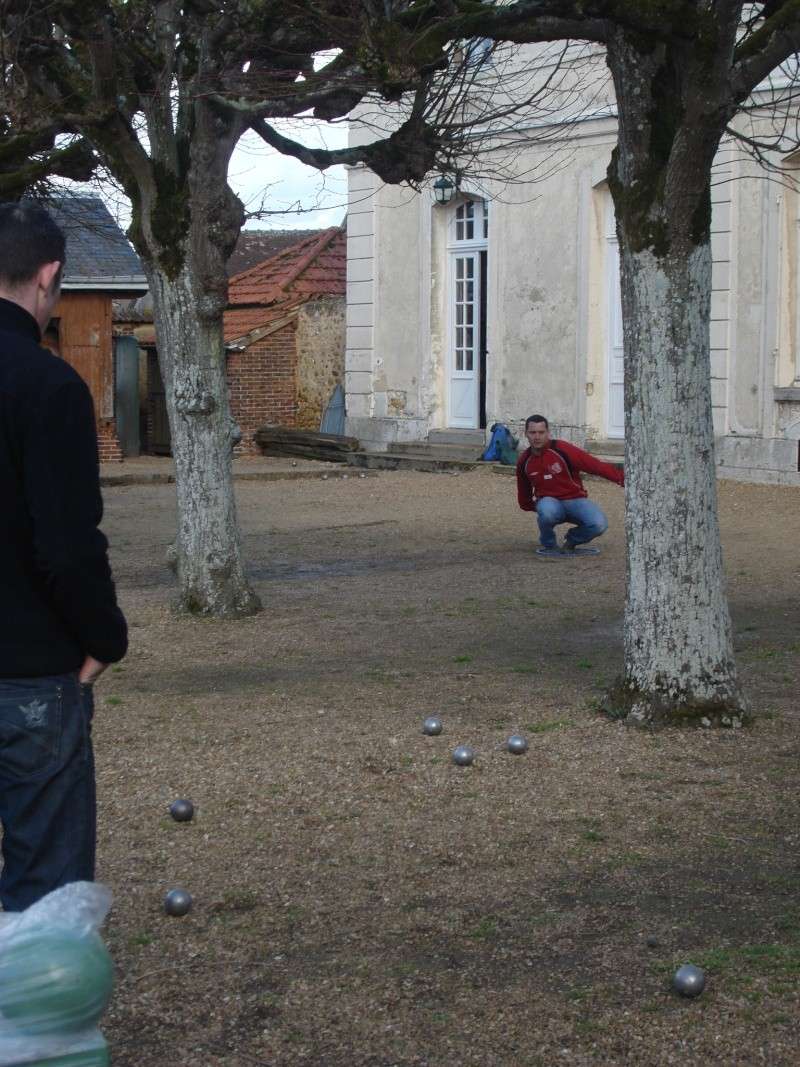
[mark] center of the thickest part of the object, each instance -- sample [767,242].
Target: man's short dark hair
[28,239]
[536,418]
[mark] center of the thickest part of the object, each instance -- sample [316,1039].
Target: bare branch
[772,42]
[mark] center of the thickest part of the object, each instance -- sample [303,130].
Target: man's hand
[91,670]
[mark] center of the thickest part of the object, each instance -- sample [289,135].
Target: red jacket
[549,475]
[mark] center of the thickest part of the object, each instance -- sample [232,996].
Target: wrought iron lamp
[444,189]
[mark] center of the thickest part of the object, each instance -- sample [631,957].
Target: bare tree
[686,74]
[162,92]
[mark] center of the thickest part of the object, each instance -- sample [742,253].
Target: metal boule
[517,745]
[689,981]
[178,902]
[181,810]
[432,726]
[463,755]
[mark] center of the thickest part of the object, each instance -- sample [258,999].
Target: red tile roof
[254,246]
[308,270]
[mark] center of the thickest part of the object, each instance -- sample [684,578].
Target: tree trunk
[679,661]
[208,554]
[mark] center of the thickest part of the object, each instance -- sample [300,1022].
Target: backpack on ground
[502,447]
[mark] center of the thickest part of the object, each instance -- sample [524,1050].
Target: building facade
[506,301]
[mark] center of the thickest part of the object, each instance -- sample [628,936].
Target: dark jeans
[47,787]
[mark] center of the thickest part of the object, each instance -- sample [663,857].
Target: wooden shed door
[126,389]
[85,341]
[160,442]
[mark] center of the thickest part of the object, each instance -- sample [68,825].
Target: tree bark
[208,553]
[679,659]
[186,222]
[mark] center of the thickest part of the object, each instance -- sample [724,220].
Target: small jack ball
[689,980]
[517,745]
[178,902]
[432,726]
[181,810]
[463,756]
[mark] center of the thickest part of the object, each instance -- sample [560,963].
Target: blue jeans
[587,518]
[47,786]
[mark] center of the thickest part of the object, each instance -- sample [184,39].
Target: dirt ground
[359,901]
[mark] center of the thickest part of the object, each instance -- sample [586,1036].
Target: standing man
[549,483]
[59,621]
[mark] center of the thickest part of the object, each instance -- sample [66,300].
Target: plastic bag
[56,979]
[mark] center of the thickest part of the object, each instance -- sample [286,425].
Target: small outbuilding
[101,267]
[285,336]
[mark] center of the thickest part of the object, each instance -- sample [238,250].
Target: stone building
[285,334]
[505,301]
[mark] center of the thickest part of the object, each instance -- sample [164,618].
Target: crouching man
[549,483]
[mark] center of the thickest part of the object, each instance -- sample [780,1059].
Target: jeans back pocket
[30,731]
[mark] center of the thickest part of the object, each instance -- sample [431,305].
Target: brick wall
[107,443]
[262,381]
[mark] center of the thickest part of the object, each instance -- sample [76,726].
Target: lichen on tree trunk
[679,661]
[208,555]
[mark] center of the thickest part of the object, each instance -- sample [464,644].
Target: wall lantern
[443,189]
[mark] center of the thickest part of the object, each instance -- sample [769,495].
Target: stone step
[467,453]
[402,461]
[607,448]
[466,438]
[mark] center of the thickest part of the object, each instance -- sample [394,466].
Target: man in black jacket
[60,624]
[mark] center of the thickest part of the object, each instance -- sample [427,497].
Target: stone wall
[320,357]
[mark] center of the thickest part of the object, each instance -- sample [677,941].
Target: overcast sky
[300,197]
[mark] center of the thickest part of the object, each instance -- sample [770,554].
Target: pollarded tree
[682,70]
[162,92]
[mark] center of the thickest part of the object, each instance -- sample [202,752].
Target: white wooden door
[615,406]
[464,369]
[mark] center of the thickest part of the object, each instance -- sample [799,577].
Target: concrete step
[466,438]
[402,461]
[607,449]
[467,453]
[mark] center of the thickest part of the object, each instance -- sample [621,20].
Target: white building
[505,302]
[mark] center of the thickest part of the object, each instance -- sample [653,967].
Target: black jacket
[57,599]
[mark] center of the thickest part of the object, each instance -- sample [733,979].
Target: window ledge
[789,393]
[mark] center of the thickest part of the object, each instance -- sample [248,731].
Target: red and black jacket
[556,472]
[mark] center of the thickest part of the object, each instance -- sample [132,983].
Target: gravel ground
[361,902]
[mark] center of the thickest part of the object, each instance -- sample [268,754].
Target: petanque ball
[181,810]
[54,980]
[178,902]
[463,755]
[689,981]
[432,726]
[517,745]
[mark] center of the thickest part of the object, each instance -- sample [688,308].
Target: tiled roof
[98,252]
[254,246]
[312,268]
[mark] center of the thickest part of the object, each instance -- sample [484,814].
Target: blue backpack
[502,447]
